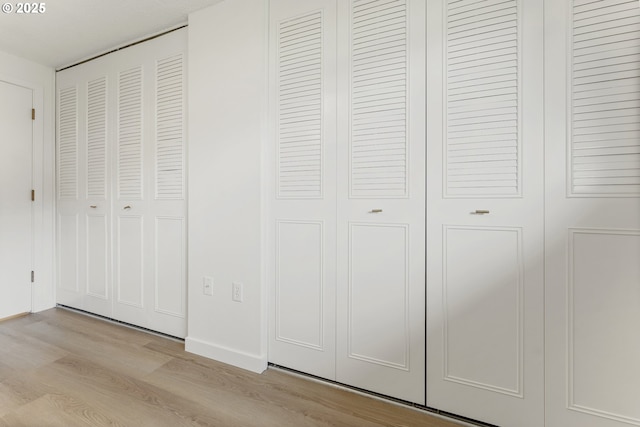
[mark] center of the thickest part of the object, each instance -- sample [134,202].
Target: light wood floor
[61,368]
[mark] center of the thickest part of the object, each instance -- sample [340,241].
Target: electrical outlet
[207,285]
[236,292]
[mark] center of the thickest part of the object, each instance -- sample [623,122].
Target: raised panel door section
[97,256]
[604,314]
[170,265]
[68,257]
[130,257]
[483,296]
[300,283]
[378,313]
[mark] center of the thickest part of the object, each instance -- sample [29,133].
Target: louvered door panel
[130,130]
[170,128]
[68,144]
[605,97]
[300,115]
[96,138]
[378,143]
[482,153]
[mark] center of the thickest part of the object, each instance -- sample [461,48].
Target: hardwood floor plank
[60,368]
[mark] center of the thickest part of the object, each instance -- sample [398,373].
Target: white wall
[41,79]
[227,82]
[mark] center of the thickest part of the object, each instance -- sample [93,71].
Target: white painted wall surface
[227,81]
[41,79]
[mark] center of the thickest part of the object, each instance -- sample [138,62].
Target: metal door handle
[481,212]
[375,211]
[93,206]
[127,207]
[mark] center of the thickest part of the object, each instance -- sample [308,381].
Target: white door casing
[16,217]
[592,116]
[485,211]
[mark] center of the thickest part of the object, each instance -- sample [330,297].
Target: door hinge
[33,276]
[33,114]
[33,195]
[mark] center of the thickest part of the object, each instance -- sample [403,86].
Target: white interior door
[381,198]
[593,213]
[485,211]
[303,206]
[16,167]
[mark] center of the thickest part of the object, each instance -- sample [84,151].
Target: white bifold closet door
[593,213]
[347,208]
[121,189]
[485,210]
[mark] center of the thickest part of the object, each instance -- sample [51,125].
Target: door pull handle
[375,211]
[127,207]
[481,212]
[93,206]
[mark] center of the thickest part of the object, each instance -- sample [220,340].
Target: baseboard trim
[239,359]
[14,316]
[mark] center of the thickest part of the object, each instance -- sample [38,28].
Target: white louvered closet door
[485,210]
[381,198]
[149,190]
[593,213]
[84,209]
[347,281]
[121,190]
[302,207]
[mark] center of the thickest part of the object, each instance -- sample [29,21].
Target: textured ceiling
[72,30]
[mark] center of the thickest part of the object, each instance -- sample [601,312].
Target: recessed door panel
[97,256]
[378,314]
[130,256]
[300,283]
[604,309]
[170,266]
[483,292]
[68,252]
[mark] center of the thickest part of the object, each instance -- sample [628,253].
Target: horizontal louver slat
[96,138]
[170,128]
[605,99]
[130,130]
[68,144]
[379,83]
[300,94]
[482,101]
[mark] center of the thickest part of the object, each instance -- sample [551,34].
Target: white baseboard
[239,359]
